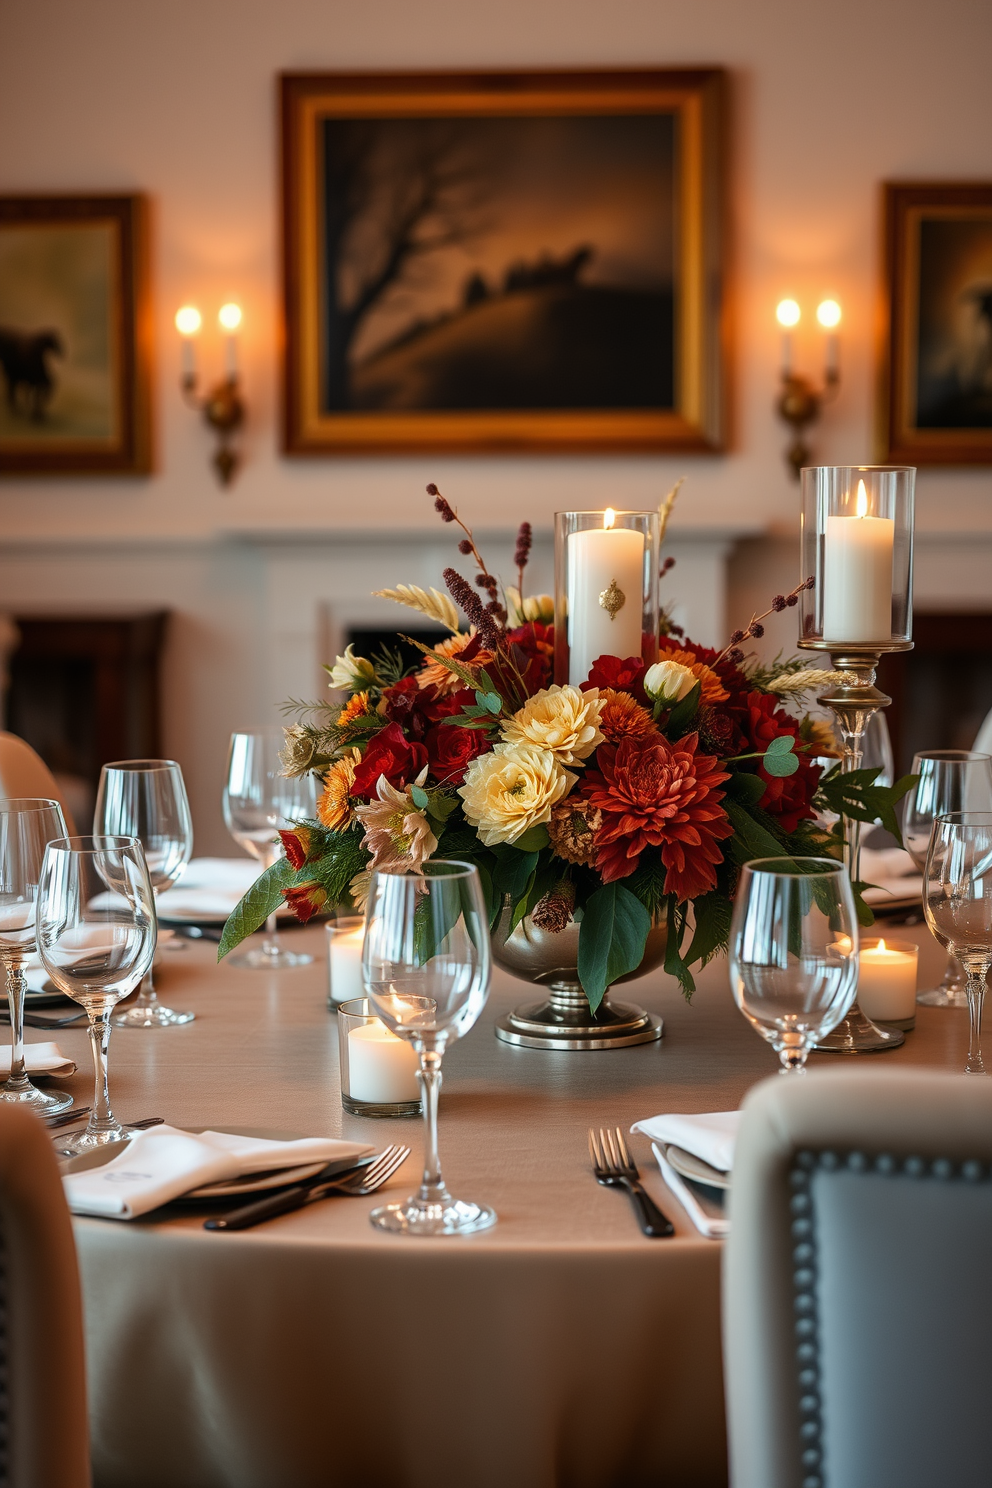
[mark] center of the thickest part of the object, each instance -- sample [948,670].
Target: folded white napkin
[165,1162]
[892,872]
[39,1059]
[711,1227]
[710,1136]
[209,886]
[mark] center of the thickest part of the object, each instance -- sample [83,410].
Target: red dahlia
[656,794]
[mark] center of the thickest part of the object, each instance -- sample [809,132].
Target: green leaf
[512,870]
[262,899]
[612,938]
[750,840]
[712,914]
[780,763]
[647,882]
[852,793]
[533,839]
[419,797]
[491,702]
[523,905]
[675,963]
[781,744]
[681,718]
[744,787]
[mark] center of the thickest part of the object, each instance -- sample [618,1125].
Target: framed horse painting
[503,261]
[74,336]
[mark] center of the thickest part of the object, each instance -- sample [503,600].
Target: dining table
[560,1349]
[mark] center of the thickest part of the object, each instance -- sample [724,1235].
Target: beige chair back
[41,1323]
[24,773]
[858,1283]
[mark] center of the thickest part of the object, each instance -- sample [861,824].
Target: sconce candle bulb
[188,323]
[222,408]
[799,403]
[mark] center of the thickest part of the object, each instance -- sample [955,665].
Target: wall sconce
[799,403]
[222,408]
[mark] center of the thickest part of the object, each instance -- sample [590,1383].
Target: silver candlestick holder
[857,539]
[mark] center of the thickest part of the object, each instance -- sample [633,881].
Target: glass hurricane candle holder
[606,589]
[345,936]
[378,1070]
[857,546]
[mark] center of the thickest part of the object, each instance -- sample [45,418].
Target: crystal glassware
[794,952]
[147,799]
[957,902]
[96,946]
[950,780]
[378,1070]
[26,828]
[258,801]
[427,967]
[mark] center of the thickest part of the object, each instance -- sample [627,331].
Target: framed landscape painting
[503,261]
[935,403]
[74,336]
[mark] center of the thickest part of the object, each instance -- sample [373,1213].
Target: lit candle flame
[861,505]
[609,517]
[880,946]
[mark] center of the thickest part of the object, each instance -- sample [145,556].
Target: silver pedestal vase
[563,1019]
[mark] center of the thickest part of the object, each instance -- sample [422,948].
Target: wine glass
[957,902]
[96,946]
[426,964]
[258,801]
[950,780]
[794,952]
[147,799]
[26,828]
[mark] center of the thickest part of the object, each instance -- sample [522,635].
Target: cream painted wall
[178,99]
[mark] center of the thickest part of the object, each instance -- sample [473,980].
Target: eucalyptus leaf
[419,797]
[781,744]
[780,763]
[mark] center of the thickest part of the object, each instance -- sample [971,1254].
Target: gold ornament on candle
[613,599]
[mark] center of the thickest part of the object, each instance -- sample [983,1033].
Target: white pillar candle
[604,590]
[382,1069]
[857,575]
[345,949]
[887,980]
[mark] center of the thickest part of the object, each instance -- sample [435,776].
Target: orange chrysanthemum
[656,794]
[712,689]
[624,718]
[355,707]
[434,674]
[334,808]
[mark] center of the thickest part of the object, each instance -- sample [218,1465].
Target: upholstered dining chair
[44,1440]
[24,773]
[858,1283]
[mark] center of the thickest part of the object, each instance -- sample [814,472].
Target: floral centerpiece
[641,791]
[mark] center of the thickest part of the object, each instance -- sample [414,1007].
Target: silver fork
[615,1168]
[354,1185]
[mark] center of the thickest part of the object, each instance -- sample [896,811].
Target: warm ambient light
[861,503]
[229,316]
[787,313]
[609,517]
[188,320]
[828,314]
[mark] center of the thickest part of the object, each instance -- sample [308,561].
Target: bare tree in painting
[394,194]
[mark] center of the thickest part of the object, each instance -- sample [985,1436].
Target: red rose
[786,797]
[436,706]
[451,749]
[390,754]
[622,676]
[533,650]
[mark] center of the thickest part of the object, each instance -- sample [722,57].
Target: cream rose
[512,789]
[563,720]
[668,682]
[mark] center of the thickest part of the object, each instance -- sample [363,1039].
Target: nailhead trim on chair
[806,1324]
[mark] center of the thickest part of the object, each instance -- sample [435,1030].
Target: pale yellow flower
[668,682]
[512,789]
[351,673]
[562,720]
[540,607]
[397,833]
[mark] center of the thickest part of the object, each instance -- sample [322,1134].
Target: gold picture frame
[935,358]
[574,339]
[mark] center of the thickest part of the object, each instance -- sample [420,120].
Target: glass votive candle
[378,1070]
[344,959]
[887,981]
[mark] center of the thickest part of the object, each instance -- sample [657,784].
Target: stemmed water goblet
[147,799]
[258,801]
[957,902]
[26,828]
[426,965]
[794,952]
[949,780]
[96,946]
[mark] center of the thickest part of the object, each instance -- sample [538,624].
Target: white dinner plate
[229,1187]
[693,1167]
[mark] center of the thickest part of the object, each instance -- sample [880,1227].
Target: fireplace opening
[367,641]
